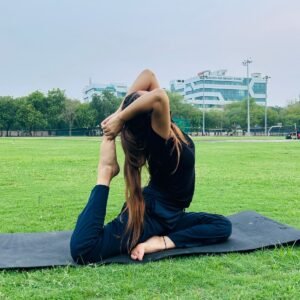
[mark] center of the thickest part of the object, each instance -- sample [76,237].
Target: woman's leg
[88,231]
[88,234]
[192,230]
[91,241]
[198,229]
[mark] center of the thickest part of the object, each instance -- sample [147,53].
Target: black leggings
[93,241]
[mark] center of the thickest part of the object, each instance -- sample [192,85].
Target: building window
[259,88]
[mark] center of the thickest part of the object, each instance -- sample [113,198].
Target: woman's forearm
[156,102]
[145,103]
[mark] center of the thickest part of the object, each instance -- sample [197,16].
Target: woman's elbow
[148,72]
[161,95]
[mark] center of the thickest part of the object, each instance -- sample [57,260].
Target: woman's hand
[112,126]
[109,117]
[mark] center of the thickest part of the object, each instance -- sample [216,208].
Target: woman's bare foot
[108,166]
[154,244]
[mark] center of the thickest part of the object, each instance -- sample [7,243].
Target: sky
[49,44]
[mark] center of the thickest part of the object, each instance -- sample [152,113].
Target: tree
[54,111]
[215,119]
[236,114]
[104,105]
[257,115]
[291,114]
[182,110]
[50,106]
[28,118]
[54,106]
[69,113]
[85,116]
[38,100]
[8,110]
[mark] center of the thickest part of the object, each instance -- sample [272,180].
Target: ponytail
[135,158]
[135,202]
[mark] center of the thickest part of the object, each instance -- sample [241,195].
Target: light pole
[246,63]
[203,104]
[266,78]
[202,75]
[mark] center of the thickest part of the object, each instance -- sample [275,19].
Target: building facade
[119,90]
[215,89]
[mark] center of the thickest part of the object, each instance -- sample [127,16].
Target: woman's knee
[79,250]
[75,249]
[226,227]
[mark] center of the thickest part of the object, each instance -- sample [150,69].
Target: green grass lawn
[45,182]
[239,138]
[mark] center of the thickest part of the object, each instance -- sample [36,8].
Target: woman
[154,218]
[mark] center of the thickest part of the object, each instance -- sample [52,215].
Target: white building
[117,89]
[215,89]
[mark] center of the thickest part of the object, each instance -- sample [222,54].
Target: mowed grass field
[45,182]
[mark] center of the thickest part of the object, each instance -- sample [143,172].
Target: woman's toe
[140,255]
[134,254]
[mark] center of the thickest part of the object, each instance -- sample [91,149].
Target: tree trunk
[70,128]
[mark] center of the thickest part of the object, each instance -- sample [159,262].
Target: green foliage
[291,115]
[69,112]
[8,110]
[28,117]
[216,119]
[85,116]
[273,116]
[39,102]
[56,111]
[56,100]
[104,105]
[52,107]
[184,111]
[236,114]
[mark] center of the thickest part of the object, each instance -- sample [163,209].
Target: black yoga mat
[251,231]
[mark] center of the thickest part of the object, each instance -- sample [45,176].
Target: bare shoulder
[160,118]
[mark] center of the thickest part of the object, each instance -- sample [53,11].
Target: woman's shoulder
[189,140]
[153,135]
[156,141]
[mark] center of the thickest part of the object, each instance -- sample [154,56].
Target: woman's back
[175,182]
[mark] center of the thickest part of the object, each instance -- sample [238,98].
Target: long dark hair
[135,145]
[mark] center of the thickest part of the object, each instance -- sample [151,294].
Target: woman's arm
[156,101]
[146,81]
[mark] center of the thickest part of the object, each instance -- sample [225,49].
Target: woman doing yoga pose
[153,218]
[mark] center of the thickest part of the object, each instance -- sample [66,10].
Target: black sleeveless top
[176,185]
